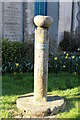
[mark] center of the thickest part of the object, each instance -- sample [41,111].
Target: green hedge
[16,52]
[68,61]
[18,57]
[70,42]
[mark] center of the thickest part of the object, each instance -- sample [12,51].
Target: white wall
[65,17]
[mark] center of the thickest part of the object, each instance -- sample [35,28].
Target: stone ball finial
[43,21]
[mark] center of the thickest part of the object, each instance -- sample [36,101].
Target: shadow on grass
[70,104]
[62,81]
[78,117]
[12,86]
[25,84]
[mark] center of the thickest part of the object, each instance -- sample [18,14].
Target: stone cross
[41,57]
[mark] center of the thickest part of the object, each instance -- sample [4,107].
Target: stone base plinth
[53,105]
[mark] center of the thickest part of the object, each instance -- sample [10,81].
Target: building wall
[12,21]
[75,11]
[53,11]
[17,20]
[28,21]
[0,20]
[65,17]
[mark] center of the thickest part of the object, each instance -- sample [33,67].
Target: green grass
[63,84]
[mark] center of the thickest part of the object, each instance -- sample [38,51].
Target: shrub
[70,42]
[18,58]
[10,50]
[65,62]
[16,52]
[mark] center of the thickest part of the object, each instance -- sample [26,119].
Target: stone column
[41,57]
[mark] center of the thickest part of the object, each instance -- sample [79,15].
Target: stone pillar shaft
[41,58]
[41,63]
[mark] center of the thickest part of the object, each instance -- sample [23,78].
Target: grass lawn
[63,84]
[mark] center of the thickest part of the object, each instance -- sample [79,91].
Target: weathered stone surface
[41,64]
[40,109]
[43,21]
[40,104]
[12,21]
[41,57]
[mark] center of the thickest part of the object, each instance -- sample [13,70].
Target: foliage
[16,52]
[70,42]
[64,84]
[10,50]
[18,58]
[64,62]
